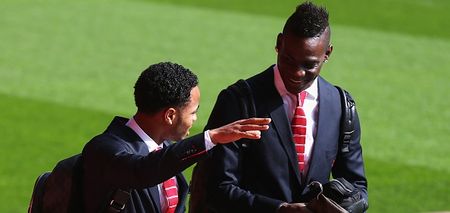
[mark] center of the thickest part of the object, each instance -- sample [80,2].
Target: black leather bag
[336,196]
[321,203]
[346,195]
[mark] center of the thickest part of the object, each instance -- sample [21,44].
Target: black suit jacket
[263,174]
[118,158]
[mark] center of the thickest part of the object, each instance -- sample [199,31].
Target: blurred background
[68,66]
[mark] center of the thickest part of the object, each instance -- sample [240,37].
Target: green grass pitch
[67,67]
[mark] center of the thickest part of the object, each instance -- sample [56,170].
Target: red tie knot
[301,97]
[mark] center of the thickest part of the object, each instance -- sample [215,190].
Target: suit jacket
[260,175]
[118,158]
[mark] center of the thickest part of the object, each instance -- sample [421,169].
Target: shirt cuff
[208,143]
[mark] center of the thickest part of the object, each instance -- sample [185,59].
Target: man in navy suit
[270,175]
[136,155]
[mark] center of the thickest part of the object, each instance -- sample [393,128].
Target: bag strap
[244,93]
[118,201]
[120,197]
[347,119]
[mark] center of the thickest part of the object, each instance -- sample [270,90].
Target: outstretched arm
[245,128]
[117,161]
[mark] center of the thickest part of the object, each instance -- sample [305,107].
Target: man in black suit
[136,156]
[271,175]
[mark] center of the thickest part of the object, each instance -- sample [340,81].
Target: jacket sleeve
[350,165]
[225,194]
[108,158]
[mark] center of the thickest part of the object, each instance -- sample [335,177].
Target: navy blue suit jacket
[262,175]
[118,158]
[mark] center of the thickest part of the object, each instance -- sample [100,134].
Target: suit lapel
[182,188]
[283,129]
[182,192]
[324,127]
[274,103]
[153,191]
[154,195]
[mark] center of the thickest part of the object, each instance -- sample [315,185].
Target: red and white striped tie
[298,126]
[171,192]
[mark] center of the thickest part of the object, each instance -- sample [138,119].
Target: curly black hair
[308,21]
[162,85]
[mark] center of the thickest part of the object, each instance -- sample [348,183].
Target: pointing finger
[255,121]
[248,127]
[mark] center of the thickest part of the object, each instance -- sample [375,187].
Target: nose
[300,73]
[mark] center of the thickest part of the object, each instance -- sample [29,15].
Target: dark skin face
[300,59]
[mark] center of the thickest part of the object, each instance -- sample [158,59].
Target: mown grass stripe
[414,17]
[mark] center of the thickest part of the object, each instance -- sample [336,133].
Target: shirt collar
[312,90]
[151,144]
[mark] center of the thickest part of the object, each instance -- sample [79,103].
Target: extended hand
[294,208]
[245,128]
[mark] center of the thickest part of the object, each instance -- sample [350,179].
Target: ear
[170,115]
[279,41]
[328,52]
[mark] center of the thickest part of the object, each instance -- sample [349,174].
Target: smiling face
[186,116]
[300,59]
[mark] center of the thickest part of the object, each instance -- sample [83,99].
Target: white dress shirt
[152,146]
[310,106]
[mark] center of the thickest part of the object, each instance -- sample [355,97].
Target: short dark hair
[308,21]
[162,85]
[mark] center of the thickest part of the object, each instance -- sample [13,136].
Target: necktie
[171,193]
[298,126]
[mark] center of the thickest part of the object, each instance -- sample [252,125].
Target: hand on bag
[293,208]
[246,128]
